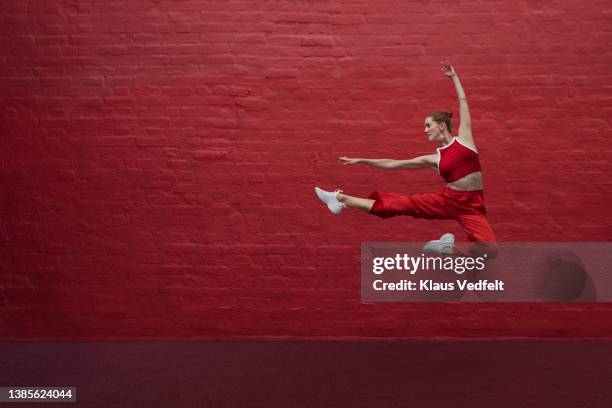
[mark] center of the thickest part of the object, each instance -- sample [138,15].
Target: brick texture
[158,159]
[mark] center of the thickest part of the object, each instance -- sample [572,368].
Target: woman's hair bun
[443,116]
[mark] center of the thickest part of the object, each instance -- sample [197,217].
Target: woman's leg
[386,205]
[363,204]
[418,206]
[480,236]
[431,205]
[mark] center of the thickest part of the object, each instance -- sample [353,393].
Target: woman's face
[433,130]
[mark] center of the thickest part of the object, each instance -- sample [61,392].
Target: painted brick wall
[158,159]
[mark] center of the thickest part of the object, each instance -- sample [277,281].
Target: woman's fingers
[446,66]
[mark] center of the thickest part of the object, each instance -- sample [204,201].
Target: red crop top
[456,160]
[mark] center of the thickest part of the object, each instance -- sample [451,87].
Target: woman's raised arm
[465,125]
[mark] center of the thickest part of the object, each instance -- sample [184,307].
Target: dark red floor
[309,374]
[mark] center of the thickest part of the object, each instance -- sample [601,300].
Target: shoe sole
[336,211]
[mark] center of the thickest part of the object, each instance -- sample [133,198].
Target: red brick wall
[158,159]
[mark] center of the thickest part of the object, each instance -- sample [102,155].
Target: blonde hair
[443,117]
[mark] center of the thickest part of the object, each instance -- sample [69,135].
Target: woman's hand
[447,69]
[347,160]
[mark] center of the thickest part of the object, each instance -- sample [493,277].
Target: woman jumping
[457,162]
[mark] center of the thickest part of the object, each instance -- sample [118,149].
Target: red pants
[467,207]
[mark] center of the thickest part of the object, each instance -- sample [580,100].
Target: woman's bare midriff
[472,181]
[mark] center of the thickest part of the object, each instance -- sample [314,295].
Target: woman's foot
[331,199]
[442,246]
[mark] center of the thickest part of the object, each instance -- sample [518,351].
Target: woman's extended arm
[429,160]
[465,125]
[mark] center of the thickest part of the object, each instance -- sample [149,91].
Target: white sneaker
[331,199]
[445,241]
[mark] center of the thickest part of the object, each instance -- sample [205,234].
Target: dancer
[457,161]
